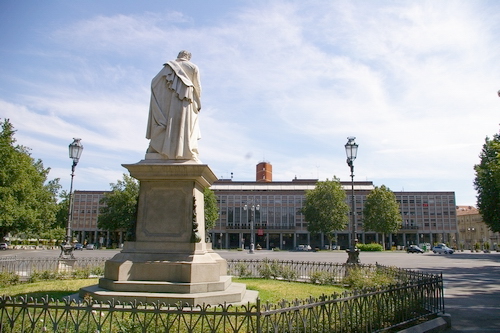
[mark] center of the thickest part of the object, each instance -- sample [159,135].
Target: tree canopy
[487,182]
[325,208]
[120,206]
[381,211]
[27,198]
[211,209]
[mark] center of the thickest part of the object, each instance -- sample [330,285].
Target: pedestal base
[236,293]
[66,265]
[169,261]
[353,256]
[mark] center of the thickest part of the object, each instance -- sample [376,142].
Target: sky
[416,82]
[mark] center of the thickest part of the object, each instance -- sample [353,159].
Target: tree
[211,209]
[381,212]
[120,207]
[62,210]
[325,208]
[487,183]
[27,199]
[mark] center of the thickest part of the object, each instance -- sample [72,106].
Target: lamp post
[351,150]
[75,151]
[252,208]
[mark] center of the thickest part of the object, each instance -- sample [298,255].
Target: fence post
[258,316]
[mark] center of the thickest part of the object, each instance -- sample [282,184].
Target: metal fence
[416,296]
[25,267]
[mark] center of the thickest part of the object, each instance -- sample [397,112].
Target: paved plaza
[472,280]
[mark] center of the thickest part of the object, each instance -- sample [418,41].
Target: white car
[303,248]
[442,248]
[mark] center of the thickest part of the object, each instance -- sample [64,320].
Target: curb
[440,324]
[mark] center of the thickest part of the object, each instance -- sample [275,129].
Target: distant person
[173,112]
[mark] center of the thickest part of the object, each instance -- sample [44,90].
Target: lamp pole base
[352,256]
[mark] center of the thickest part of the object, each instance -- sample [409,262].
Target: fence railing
[25,267]
[417,295]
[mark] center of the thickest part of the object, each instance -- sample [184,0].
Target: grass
[56,289]
[271,291]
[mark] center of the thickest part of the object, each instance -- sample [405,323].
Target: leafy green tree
[487,183]
[62,210]
[27,199]
[120,207]
[325,208]
[211,209]
[57,233]
[381,212]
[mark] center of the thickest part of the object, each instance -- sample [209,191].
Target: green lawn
[56,289]
[271,291]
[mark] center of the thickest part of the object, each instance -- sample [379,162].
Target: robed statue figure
[173,128]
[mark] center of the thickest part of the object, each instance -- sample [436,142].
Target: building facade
[86,205]
[428,217]
[472,230]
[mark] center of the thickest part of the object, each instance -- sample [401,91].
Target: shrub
[8,279]
[97,271]
[265,270]
[241,269]
[358,277]
[43,276]
[370,247]
[322,277]
[272,269]
[288,273]
[82,273]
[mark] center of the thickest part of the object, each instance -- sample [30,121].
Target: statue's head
[184,55]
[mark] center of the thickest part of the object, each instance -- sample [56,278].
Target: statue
[173,112]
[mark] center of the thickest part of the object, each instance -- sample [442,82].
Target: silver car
[442,248]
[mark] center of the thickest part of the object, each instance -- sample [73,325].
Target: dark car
[414,249]
[79,246]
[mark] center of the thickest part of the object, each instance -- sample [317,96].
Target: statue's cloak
[173,113]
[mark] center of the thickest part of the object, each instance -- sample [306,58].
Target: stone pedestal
[65,265]
[170,260]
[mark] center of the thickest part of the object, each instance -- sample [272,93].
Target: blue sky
[283,81]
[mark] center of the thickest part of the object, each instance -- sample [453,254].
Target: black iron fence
[414,296]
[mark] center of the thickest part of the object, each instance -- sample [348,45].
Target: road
[471,280]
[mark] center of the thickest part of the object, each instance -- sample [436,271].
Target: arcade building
[428,217]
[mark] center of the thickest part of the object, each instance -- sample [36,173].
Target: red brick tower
[264,172]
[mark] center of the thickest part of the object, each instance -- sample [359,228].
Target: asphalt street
[471,280]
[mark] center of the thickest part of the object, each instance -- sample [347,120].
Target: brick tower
[264,172]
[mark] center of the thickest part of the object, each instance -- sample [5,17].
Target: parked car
[304,248]
[90,246]
[414,249]
[442,248]
[3,246]
[79,246]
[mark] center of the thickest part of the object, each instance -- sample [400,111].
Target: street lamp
[253,208]
[75,151]
[351,150]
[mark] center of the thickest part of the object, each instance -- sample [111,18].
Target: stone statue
[173,128]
